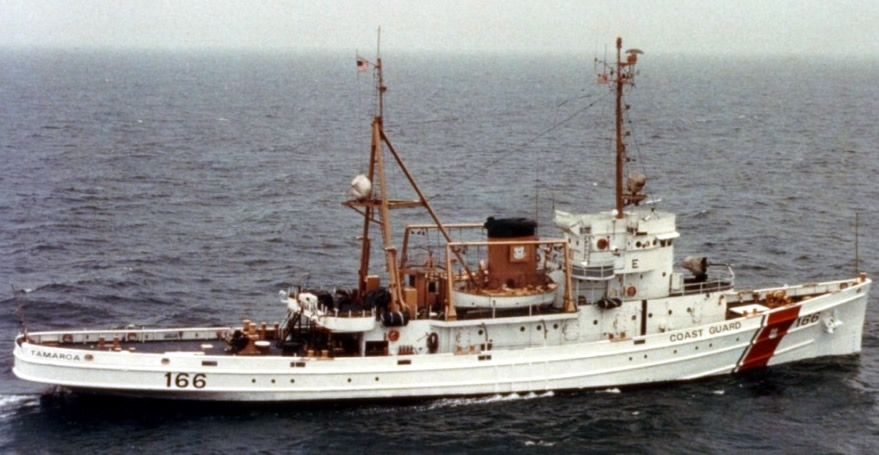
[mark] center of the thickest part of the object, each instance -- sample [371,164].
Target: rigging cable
[637,147]
[519,147]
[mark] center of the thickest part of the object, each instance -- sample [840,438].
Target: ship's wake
[14,403]
[456,402]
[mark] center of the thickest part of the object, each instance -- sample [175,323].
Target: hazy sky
[773,27]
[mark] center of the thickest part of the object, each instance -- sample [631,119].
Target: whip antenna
[857,256]
[19,308]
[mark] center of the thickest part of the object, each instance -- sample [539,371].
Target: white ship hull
[828,324]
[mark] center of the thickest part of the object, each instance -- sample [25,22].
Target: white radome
[361,187]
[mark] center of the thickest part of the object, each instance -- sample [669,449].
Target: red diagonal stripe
[764,346]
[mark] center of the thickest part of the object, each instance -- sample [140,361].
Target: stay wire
[518,148]
[641,164]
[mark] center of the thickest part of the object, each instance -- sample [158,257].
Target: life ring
[631,291]
[393,335]
[602,243]
[132,336]
[433,342]
[67,338]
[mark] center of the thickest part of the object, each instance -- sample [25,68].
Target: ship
[476,308]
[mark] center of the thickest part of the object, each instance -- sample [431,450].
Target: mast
[381,80]
[621,147]
[374,151]
[384,204]
[624,74]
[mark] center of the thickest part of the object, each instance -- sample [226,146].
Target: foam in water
[11,404]
[540,443]
[455,402]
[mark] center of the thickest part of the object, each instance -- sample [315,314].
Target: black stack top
[510,227]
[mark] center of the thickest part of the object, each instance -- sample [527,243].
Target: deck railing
[716,281]
[597,272]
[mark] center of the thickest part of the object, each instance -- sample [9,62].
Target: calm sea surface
[177,189]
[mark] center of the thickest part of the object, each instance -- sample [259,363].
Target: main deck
[271,340]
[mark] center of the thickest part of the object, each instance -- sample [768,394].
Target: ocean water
[157,188]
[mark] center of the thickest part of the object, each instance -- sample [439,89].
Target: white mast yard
[474,308]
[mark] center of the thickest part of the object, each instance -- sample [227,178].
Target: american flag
[362,64]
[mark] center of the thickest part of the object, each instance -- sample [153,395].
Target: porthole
[522,329]
[376,379]
[273,381]
[649,315]
[669,312]
[645,356]
[292,381]
[697,348]
[675,351]
[630,359]
[595,322]
[555,326]
[253,381]
[349,379]
[166,361]
[634,317]
[539,327]
[480,331]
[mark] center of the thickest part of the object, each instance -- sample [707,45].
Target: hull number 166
[806,320]
[182,380]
